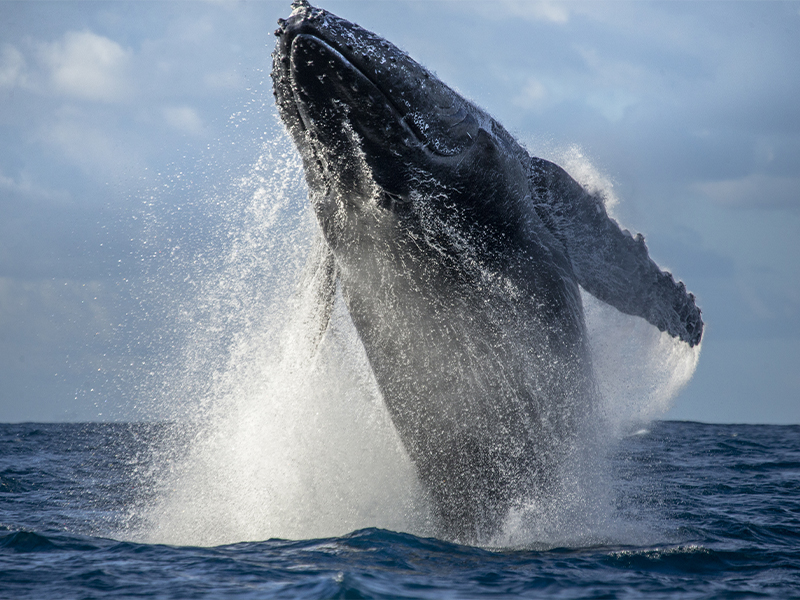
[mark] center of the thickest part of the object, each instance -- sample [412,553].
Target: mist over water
[283,434]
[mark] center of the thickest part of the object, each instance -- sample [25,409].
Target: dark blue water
[718,504]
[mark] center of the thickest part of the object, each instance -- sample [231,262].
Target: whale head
[374,127]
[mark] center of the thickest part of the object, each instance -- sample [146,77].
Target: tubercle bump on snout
[310,24]
[398,78]
[302,14]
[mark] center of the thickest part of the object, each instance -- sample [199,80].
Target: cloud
[87,66]
[532,95]
[25,188]
[84,140]
[56,338]
[543,10]
[612,104]
[13,70]
[29,309]
[223,80]
[184,119]
[754,191]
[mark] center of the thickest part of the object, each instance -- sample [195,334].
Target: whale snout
[439,120]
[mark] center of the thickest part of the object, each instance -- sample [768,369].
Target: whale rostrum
[460,259]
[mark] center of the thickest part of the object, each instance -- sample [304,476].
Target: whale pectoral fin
[317,290]
[610,263]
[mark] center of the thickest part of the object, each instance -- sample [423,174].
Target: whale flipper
[610,263]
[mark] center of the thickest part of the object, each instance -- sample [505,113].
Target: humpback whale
[460,258]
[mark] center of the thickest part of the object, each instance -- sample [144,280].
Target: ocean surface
[716,509]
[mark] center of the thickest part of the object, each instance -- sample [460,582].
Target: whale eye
[464,126]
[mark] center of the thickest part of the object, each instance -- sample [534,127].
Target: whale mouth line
[345,60]
[400,112]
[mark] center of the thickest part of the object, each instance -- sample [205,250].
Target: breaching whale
[460,258]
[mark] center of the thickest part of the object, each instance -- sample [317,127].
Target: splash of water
[288,435]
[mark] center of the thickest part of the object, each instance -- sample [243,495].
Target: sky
[689,109]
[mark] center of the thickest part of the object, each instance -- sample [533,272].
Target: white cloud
[26,188]
[100,152]
[51,311]
[612,104]
[754,191]
[542,10]
[86,65]
[751,296]
[532,94]
[184,119]
[223,80]
[13,70]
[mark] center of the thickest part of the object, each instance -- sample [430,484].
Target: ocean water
[269,467]
[698,511]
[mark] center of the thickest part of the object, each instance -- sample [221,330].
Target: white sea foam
[287,439]
[293,440]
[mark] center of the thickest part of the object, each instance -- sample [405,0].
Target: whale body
[460,258]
